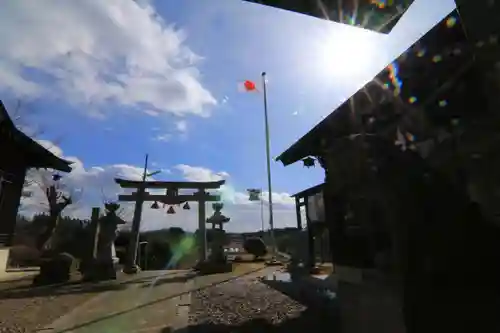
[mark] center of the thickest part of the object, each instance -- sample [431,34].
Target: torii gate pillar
[202,232]
[130,265]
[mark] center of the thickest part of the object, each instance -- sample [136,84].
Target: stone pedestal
[55,269]
[100,270]
[217,261]
[103,261]
[102,267]
[115,259]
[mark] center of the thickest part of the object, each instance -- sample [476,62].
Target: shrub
[256,247]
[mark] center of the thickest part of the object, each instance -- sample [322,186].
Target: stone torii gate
[171,197]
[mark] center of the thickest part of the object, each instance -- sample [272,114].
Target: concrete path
[147,304]
[151,302]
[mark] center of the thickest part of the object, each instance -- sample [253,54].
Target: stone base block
[99,270]
[134,269]
[4,258]
[209,267]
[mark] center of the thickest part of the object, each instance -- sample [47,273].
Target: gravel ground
[248,305]
[24,309]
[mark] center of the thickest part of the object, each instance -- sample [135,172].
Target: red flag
[248,86]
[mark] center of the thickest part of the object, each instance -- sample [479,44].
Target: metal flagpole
[261,211]
[268,153]
[262,216]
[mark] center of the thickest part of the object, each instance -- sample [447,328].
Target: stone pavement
[151,302]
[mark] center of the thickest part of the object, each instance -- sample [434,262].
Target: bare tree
[57,197]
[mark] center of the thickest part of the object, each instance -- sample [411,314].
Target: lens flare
[437,58]
[393,76]
[183,247]
[442,103]
[421,53]
[451,22]
[382,3]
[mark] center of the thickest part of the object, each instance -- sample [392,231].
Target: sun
[347,53]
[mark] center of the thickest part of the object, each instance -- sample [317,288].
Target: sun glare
[347,53]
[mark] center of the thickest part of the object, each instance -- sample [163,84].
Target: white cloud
[178,132]
[96,51]
[12,81]
[279,198]
[200,174]
[163,137]
[152,113]
[181,126]
[94,185]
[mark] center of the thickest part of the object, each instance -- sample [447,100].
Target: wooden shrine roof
[36,155]
[309,191]
[376,15]
[124,183]
[424,77]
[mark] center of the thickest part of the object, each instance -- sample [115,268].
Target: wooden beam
[125,183]
[161,197]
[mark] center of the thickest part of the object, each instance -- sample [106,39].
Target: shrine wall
[316,208]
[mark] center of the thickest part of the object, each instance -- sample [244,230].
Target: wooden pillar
[311,262]
[202,232]
[337,229]
[9,205]
[131,266]
[335,211]
[297,212]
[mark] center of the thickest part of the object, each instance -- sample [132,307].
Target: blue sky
[109,120]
